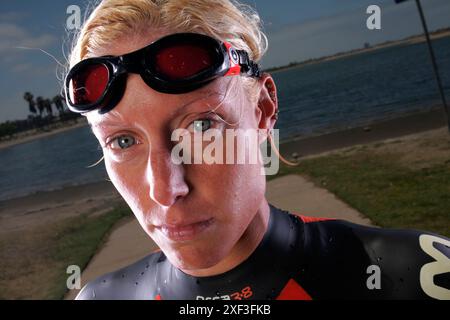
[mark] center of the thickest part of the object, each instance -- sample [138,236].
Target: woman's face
[196,213]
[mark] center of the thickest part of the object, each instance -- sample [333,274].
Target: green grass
[76,242]
[34,263]
[390,194]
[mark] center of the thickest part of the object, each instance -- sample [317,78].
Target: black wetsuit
[301,258]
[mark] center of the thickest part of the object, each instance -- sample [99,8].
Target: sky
[297,30]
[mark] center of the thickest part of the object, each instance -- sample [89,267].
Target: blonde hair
[225,20]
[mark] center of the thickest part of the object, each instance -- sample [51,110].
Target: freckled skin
[161,192]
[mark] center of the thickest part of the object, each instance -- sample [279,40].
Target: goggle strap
[248,67]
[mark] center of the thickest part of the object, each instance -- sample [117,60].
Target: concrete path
[128,243]
[297,194]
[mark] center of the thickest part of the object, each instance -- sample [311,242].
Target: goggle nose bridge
[132,62]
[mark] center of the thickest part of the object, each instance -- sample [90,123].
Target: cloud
[24,70]
[31,69]
[13,36]
[13,41]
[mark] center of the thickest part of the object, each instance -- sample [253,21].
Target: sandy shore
[31,135]
[377,131]
[30,211]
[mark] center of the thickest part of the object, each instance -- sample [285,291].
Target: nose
[165,178]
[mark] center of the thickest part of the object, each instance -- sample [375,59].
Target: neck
[245,246]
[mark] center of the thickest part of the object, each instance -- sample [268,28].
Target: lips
[184,232]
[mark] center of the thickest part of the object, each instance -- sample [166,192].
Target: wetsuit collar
[260,276]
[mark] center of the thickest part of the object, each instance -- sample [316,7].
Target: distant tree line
[44,112]
[366,45]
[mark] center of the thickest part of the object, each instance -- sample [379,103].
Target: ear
[267,108]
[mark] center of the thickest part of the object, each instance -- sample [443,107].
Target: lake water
[313,99]
[356,90]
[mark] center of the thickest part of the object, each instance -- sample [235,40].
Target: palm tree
[31,104]
[48,107]
[58,101]
[40,105]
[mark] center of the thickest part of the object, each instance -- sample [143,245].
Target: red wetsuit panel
[293,291]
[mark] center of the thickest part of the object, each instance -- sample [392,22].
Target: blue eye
[202,125]
[122,142]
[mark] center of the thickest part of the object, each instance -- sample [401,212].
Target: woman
[142,70]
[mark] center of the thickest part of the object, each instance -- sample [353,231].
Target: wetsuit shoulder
[348,260]
[127,283]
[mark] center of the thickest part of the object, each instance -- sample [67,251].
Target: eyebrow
[114,121]
[118,123]
[109,123]
[186,105]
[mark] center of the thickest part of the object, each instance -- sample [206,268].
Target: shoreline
[28,136]
[31,135]
[57,196]
[400,125]
[373,132]
[408,41]
[42,207]
[293,149]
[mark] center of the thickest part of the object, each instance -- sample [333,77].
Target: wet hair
[225,20]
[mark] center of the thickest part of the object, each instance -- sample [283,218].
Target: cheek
[234,190]
[126,182]
[248,189]
[115,174]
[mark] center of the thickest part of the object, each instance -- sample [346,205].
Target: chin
[189,258]
[194,265]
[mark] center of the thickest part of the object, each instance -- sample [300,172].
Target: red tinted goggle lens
[88,84]
[178,62]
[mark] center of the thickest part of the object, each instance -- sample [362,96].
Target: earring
[276,114]
[272,95]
